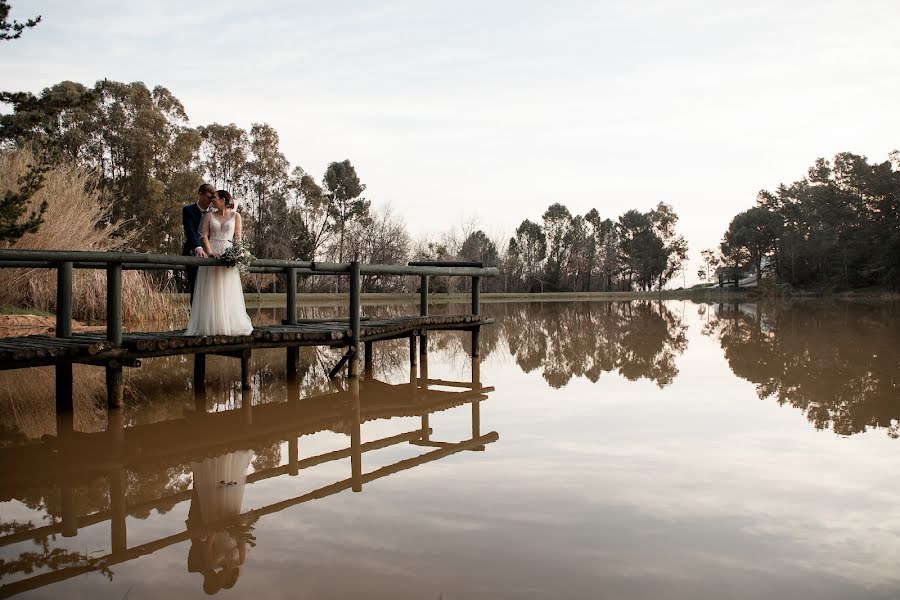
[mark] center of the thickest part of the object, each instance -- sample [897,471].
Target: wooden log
[445,263]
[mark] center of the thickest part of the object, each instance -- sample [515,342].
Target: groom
[191,216]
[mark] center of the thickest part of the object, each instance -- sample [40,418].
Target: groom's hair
[206,188]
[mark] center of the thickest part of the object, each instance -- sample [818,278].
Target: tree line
[837,228]
[150,160]
[637,251]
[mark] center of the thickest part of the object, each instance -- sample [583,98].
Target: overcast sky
[462,110]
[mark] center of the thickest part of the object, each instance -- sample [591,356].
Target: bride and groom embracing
[212,225]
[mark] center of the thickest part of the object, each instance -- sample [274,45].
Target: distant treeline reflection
[638,340]
[838,363]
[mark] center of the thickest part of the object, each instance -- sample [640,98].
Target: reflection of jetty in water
[639,340]
[82,479]
[835,362]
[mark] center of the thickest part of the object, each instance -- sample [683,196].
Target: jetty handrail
[88,259]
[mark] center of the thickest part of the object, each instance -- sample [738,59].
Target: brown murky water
[597,450]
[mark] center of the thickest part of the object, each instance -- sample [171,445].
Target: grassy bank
[5,309]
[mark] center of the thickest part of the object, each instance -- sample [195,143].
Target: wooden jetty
[118,349]
[68,460]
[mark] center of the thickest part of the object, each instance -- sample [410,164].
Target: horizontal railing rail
[86,259]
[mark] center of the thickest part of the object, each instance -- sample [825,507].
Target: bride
[218,305]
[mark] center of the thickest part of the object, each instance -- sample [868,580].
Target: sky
[486,112]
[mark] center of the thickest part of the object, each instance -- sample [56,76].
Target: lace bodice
[221,233]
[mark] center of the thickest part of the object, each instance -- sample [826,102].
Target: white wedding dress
[218,306]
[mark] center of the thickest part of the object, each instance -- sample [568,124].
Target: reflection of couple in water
[218,494]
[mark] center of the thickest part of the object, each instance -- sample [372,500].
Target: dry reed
[77,218]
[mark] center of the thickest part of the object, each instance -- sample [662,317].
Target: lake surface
[596,450]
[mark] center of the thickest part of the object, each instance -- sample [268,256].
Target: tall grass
[77,218]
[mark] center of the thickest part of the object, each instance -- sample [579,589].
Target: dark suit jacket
[191,217]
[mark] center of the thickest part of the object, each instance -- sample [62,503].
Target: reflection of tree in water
[838,363]
[565,340]
[53,559]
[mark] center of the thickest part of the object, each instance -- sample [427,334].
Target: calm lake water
[596,450]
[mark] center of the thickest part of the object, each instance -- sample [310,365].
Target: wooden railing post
[423,311]
[354,317]
[291,312]
[476,310]
[64,299]
[292,352]
[423,296]
[114,303]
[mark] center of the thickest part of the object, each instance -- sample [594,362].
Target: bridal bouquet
[238,256]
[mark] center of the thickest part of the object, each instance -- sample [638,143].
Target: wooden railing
[65,261]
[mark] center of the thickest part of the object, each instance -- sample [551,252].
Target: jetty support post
[369,357]
[64,299]
[64,402]
[422,391]
[355,436]
[293,352]
[115,385]
[114,382]
[423,311]
[118,531]
[353,366]
[199,373]
[476,403]
[69,511]
[246,377]
[247,406]
[412,350]
[293,400]
[64,329]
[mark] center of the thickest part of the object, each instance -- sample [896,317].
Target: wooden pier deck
[94,348]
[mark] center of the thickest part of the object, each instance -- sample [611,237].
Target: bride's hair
[226,197]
